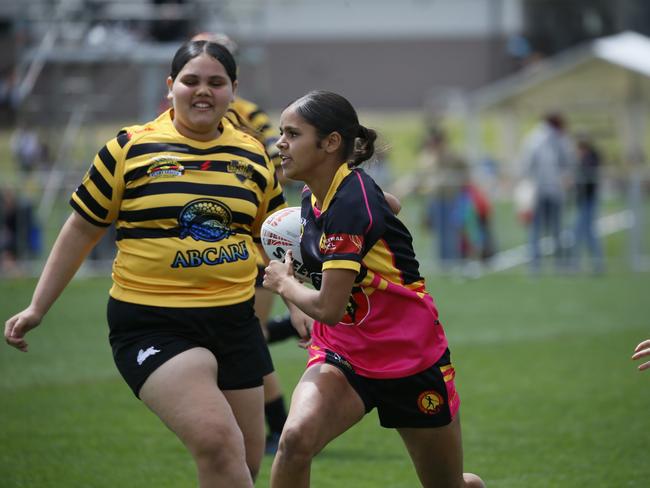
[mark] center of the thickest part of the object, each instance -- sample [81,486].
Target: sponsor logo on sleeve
[341,243]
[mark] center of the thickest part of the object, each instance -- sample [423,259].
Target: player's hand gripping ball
[280,232]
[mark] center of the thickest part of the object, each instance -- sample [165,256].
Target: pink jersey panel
[393,333]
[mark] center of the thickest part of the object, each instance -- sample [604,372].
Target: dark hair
[555,120]
[192,49]
[329,112]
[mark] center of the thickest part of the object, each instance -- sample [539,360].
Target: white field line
[518,255]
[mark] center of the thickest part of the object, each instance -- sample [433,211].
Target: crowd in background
[559,175]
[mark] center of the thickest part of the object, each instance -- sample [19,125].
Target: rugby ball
[280,232]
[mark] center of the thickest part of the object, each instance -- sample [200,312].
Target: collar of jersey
[339,176]
[226,126]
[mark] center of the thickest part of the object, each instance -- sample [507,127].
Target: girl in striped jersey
[188,193]
[377,341]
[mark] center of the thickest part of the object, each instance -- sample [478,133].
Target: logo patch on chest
[243,171]
[165,167]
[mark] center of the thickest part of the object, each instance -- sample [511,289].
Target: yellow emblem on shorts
[430,402]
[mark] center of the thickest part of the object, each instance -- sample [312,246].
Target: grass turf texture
[550,396]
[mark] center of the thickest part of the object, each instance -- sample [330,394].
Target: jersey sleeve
[97,199]
[272,201]
[352,224]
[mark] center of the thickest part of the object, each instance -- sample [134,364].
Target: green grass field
[550,396]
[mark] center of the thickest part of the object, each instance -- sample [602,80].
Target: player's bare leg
[323,406]
[184,394]
[437,455]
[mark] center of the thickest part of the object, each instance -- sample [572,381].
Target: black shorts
[144,337]
[425,399]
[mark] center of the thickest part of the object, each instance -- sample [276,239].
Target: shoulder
[133,134]
[358,186]
[238,137]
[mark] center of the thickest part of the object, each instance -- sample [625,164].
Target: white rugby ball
[281,232]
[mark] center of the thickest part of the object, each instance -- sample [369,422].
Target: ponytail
[364,146]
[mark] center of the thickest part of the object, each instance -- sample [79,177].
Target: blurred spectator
[8,241]
[547,162]
[587,183]
[27,149]
[8,95]
[172,22]
[477,241]
[20,236]
[441,177]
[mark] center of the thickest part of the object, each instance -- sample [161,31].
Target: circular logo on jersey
[430,402]
[357,309]
[205,219]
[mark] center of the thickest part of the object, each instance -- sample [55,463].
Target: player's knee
[297,444]
[217,444]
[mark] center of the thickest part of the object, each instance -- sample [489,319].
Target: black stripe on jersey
[101,184]
[157,213]
[276,202]
[403,255]
[124,233]
[85,215]
[123,137]
[264,127]
[201,165]
[192,189]
[108,159]
[94,206]
[255,113]
[157,147]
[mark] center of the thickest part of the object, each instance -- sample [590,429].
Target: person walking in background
[587,185]
[248,114]
[188,193]
[547,161]
[376,339]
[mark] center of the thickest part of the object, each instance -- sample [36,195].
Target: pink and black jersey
[391,326]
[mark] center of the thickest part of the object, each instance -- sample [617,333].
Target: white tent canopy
[604,85]
[607,79]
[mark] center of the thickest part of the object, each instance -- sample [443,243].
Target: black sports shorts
[425,399]
[143,337]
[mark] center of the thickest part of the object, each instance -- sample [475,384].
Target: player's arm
[393,202]
[326,305]
[75,241]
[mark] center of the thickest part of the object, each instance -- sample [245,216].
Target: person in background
[188,193]
[376,340]
[547,161]
[587,189]
[641,351]
[442,177]
[247,114]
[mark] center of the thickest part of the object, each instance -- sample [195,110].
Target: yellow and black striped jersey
[187,213]
[258,120]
